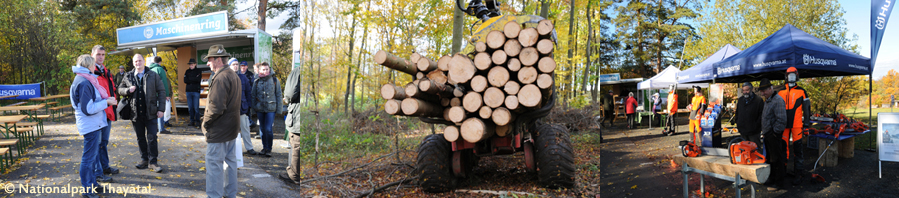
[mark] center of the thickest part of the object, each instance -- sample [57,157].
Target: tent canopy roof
[791,47]
[705,70]
[664,79]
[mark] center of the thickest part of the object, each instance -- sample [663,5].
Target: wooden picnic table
[30,110]
[9,123]
[47,99]
[9,96]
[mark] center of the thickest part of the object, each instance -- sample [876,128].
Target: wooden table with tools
[716,162]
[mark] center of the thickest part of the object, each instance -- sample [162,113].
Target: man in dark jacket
[192,78]
[292,123]
[774,120]
[252,77]
[608,106]
[245,96]
[156,66]
[119,76]
[221,124]
[749,115]
[148,104]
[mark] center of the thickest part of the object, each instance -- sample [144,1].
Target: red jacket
[630,105]
[106,81]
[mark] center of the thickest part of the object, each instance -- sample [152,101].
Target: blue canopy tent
[704,72]
[791,47]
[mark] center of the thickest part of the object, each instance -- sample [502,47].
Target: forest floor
[54,159]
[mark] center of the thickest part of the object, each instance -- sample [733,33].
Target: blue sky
[858,19]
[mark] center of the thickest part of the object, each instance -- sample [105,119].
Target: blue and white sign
[609,77]
[201,24]
[25,91]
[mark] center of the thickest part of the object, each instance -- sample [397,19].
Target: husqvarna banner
[880,15]
[24,91]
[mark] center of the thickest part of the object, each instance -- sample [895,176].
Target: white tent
[665,78]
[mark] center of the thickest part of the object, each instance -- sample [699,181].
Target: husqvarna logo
[148,32]
[808,59]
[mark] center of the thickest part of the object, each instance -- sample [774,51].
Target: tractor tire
[433,166]
[555,157]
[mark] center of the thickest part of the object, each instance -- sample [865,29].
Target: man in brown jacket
[221,124]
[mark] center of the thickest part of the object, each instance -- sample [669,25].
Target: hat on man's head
[217,50]
[243,63]
[231,61]
[192,61]
[764,83]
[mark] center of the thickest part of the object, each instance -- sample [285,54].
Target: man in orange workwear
[697,108]
[793,97]
[672,111]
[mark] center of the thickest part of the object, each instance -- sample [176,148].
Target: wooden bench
[5,143]
[59,109]
[26,134]
[52,103]
[40,119]
[6,159]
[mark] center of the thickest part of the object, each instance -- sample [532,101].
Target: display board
[716,94]
[887,139]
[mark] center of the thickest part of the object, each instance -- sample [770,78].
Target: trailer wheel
[555,157]
[434,165]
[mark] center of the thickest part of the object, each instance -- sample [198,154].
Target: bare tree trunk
[263,6]
[349,67]
[571,47]
[457,29]
[589,52]
[544,8]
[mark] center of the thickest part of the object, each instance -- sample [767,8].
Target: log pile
[509,73]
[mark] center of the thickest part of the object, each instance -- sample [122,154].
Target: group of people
[233,95]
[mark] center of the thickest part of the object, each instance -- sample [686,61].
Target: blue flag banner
[25,91]
[880,15]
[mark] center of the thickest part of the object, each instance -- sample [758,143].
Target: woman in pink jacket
[630,108]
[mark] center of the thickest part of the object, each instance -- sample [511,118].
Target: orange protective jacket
[793,98]
[672,103]
[698,106]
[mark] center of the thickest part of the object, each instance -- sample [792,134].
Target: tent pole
[870,123]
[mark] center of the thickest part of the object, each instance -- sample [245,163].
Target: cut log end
[393,107]
[393,62]
[526,75]
[514,64]
[480,46]
[546,65]
[474,130]
[544,81]
[528,37]
[495,39]
[502,131]
[472,102]
[528,56]
[499,57]
[502,116]
[494,97]
[479,83]
[461,69]
[456,114]
[512,47]
[530,96]
[511,102]
[511,87]
[426,65]
[511,29]
[485,112]
[416,107]
[458,102]
[482,61]
[498,76]
[544,27]
[545,46]
[443,63]
[451,133]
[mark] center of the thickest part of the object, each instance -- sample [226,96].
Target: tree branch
[347,171]
[385,186]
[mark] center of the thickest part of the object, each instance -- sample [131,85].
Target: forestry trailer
[490,97]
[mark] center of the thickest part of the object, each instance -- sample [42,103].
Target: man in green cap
[221,124]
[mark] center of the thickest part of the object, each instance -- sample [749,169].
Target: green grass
[862,113]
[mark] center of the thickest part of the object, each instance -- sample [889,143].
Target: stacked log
[509,73]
